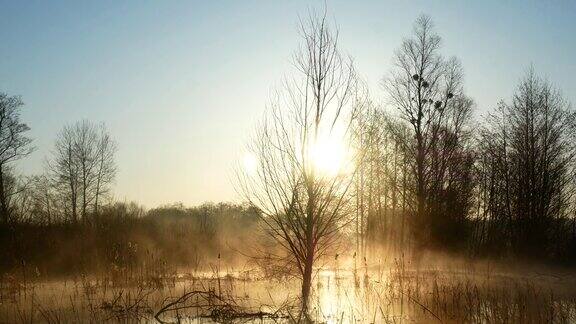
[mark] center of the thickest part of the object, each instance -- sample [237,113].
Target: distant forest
[428,176]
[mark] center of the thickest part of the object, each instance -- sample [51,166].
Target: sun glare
[250,163]
[328,155]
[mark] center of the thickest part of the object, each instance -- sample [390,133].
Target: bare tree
[105,166]
[14,145]
[302,205]
[529,169]
[83,166]
[381,180]
[426,89]
[65,171]
[43,200]
[85,148]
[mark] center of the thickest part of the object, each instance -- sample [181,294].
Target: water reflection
[339,296]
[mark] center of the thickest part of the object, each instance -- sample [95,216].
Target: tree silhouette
[82,167]
[303,207]
[14,145]
[528,162]
[426,89]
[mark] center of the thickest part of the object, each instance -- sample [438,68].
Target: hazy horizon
[378,161]
[180,85]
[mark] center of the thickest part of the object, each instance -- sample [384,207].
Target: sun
[250,163]
[328,155]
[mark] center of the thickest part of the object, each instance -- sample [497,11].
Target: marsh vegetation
[415,210]
[393,293]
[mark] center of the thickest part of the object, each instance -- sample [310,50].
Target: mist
[401,200]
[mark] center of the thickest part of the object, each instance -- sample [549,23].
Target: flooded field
[377,295]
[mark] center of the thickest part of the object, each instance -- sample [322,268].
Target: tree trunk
[3,202]
[84,190]
[307,283]
[310,246]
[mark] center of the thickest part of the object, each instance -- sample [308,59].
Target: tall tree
[83,167]
[304,205]
[14,145]
[426,89]
[530,143]
[381,180]
[65,172]
[105,166]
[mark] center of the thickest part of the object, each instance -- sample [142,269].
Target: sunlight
[328,155]
[203,164]
[250,163]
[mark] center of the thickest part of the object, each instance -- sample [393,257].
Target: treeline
[433,176]
[428,174]
[127,239]
[65,220]
[77,177]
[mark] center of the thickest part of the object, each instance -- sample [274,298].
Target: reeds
[395,294]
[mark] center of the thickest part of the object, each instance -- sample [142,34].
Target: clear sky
[180,84]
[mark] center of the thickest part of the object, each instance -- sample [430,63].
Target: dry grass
[380,294]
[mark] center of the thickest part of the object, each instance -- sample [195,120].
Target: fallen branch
[213,306]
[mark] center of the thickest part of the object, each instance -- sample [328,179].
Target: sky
[181,84]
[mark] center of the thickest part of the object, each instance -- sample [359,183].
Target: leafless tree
[529,154]
[44,205]
[82,167]
[302,206]
[65,171]
[426,89]
[105,166]
[381,180]
[14,145]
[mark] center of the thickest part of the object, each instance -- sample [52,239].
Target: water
[339,296]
